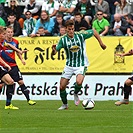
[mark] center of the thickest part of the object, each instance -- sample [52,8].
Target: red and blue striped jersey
[7,54]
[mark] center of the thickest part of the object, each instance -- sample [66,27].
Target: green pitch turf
[45,118]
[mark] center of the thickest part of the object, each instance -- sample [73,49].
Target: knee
[86,18]
[62,88]
[128,82]
[79,82]
[21,82]
[11,82]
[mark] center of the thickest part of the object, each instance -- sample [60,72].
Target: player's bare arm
[54,49]
[99,39]
[5,64]
[130,52]
[21,58]
[14,48]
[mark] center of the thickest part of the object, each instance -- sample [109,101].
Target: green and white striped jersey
[75,48]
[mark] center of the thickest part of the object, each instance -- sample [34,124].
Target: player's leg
[78,83]
[25,91]
[7,79]
[9,82]
[17,77]
[77,86]
[80,74]
[63,93]
[9,91]
[66,75]
[127,91]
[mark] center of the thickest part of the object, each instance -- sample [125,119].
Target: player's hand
[8,67]
[103,46]
[53,49]
[131,51]
[23,62]
[23,51]
[32,35]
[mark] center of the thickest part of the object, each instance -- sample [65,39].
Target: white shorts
[70,71]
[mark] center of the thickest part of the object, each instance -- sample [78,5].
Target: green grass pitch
[45,118]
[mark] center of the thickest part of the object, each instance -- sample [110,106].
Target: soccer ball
[88,104]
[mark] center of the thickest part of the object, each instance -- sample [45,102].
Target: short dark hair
[12,14]
[40,27]
[62,27]
[77,13]
[69,23]
[59,16]
[100,11]
[27,12]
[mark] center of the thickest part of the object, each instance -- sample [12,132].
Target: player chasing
[77,61]
[8,55]
[127,83]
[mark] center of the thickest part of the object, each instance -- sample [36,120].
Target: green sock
[77,88]
[63,96]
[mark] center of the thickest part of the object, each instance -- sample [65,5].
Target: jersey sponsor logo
[84,32]
[74,48]
[9,51]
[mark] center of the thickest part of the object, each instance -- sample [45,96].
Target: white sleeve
[56,6]
[44,6]
[36,8]
[24,32]
[25,9]
[92,2]
[74,4]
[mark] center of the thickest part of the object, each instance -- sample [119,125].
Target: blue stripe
[7,58]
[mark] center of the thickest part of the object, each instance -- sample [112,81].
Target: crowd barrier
[39,59]
[99,87]
[46,87]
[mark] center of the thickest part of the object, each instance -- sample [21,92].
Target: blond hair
[16,3]
[2,29]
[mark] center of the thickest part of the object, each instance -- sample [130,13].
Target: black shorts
[15,74]
[3,72]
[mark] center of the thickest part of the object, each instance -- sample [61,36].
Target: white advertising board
[46,87]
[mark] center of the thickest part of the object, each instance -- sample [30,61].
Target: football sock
[25,91]
[63,96]
[127,91]
[9,93]
[77,88]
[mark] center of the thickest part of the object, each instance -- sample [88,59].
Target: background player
[127,84]
[9,57]
[4,76]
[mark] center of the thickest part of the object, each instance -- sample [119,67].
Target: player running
[127,84]
[8,56]
[77,61]
[4,76]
